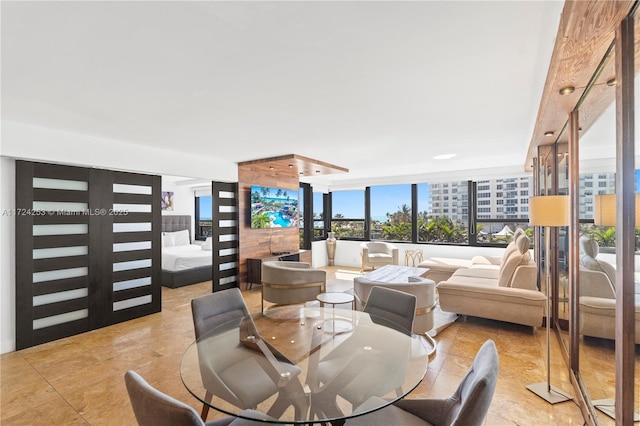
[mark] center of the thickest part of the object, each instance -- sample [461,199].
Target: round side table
[333,325]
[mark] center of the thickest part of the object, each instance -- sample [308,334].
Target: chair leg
[205,406]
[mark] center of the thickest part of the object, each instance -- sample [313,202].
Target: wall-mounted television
[274,207]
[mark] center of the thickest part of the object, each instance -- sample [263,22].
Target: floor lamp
[548,211]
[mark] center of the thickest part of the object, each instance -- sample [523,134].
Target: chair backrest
[393,308]
[379,247]
[468,406]
[216,309]
[154,408]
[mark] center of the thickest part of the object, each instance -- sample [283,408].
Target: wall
[7,255]
[184,201]
[348,252]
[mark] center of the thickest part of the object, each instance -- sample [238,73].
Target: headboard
[175,223]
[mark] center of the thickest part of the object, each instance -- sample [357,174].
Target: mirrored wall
[595,286]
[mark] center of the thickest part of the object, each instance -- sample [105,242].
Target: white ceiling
[378,87]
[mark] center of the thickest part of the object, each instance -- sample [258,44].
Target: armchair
[378,253]
[288,283]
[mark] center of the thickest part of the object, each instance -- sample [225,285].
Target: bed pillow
[208,244]
[168,239]
[181,238]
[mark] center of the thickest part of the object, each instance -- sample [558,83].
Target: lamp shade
[604,213]
[549,210]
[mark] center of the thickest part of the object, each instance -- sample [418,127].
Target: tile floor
[79,380]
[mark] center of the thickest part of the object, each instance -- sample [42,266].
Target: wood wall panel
[261,242]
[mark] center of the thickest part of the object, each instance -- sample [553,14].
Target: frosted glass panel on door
[60,207]
[60,319]
[49,253]
[134,264]
[129,284]
[131,189]
[60,296]
[130,303]
[226,194]
[230,265]
[65,229]
[71,185]
[228,223]
[227,209]
[132,208]
[228,237]
[132,227]
[59,274]
[228,280]
[138,245]
[227,252]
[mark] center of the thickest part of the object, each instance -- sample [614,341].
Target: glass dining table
[286,367]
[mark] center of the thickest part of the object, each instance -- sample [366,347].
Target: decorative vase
[331,247]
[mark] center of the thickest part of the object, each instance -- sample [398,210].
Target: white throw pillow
[168,239]
[208,244]
[181,238]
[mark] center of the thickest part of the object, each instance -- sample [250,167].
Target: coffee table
[395,273]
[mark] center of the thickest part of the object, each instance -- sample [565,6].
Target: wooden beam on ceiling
[304,166]
[585,34]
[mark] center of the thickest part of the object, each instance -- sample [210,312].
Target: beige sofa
[598,296]
[287,283]
[442,268]
[508,294]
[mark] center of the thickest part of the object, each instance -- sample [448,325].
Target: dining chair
[355,382]
[468,406]
[154,408]
[392,308]
[223,374]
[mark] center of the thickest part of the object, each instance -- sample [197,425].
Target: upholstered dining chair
[353,382]
[468,406]
[219,369]
[392,308]
[154,408]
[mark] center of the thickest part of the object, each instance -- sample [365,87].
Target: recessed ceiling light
[444,156]
[549,133]
[271,167]
[291,166]
[567,90]
[612,82]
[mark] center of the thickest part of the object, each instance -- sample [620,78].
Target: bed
[183,263]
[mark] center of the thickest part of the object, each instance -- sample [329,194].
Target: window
[447,224]
[318,215]
[203,217]
[347,219]
[391,213]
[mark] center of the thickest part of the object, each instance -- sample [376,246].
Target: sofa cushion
[491,274]
[515,259]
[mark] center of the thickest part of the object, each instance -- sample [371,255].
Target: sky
[384,199]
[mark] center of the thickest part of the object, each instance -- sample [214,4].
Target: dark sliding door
[87,249]
[224,199]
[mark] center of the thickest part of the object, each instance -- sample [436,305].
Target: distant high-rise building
[508,198]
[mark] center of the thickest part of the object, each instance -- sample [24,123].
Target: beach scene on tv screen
[274,207]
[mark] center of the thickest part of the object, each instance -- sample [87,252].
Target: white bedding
[184,257]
